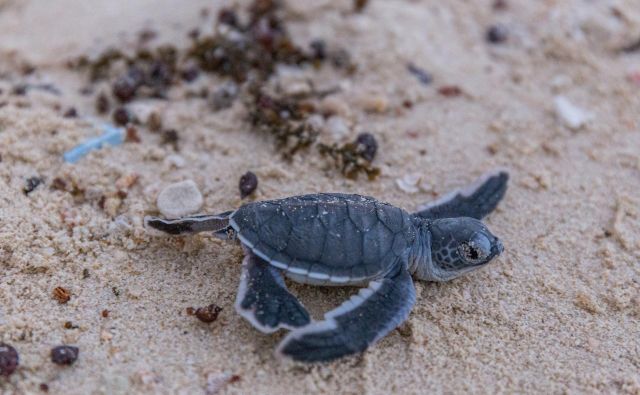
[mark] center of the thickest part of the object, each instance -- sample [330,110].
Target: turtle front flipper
[263,298]
[356,324]
[476,201]
[218,224]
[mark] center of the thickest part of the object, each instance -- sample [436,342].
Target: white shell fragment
[179,199]
[571,115]
[409,183]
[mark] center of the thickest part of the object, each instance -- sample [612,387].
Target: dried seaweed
[247,51]
[285,119]
[251,50]
[355,157]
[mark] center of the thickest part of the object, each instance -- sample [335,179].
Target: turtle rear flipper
[218,224]
[356,324]
[263,298]
[476,201]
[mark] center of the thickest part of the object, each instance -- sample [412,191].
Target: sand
[558,312]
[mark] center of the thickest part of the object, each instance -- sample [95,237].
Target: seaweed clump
[241,51]
[284,118]
[354,157]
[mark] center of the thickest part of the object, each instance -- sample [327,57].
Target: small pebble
[208,314]
[248,184]
[337,127]
[179,199]
[132,134]
[64,355]
[71,113]
[571,115]
[154,122]
[9,360]
[31,184]
[497,34]
[176,161]
[375,103]
[367,146]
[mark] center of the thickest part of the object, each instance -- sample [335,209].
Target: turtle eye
[475,250]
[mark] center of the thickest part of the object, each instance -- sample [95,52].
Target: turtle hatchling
[334,239]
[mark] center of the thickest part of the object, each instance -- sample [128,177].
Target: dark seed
[359,5]
[194,34]
[102,104]
[44,387]
[62,295]
[71,113]
[422,75]
[170,136]
[208,314]
[121,116]
[9,360]
[31,184]
[64,355]
[248,184]
[70,325]
[497,34]
[125,88]
[367,146]
[450,91]
[19,90]
[500,5]
[105,313]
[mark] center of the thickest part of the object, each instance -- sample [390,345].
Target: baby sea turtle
[338,239]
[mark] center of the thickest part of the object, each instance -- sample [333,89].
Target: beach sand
[558,312]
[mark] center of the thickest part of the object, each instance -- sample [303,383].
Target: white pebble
[337,127]
[409,183]
[573,116]
[176,161]
[179,199]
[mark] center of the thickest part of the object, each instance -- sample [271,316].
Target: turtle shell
[326,238]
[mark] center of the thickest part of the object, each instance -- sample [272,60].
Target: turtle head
[458,246]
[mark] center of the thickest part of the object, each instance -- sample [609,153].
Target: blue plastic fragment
[112,136]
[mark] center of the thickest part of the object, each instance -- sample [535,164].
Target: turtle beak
[497,248]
